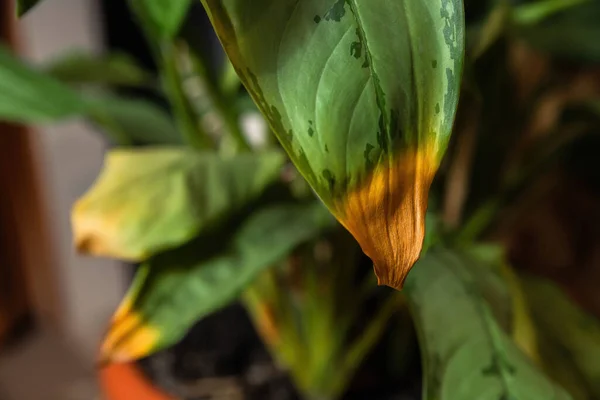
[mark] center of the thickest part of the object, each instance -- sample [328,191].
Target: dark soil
[223,358]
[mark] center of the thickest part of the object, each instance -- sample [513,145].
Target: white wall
[71,156]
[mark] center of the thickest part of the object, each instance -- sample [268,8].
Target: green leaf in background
[23,6]
[79,67]
[482,37]
[570,338]
[573,33]
[175,289]
[466,353]
[362,94]
[163,17]
[133,121]
[534,12]
[489,277]
[28,96]
[154,199]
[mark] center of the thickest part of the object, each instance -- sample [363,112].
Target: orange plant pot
[127,382]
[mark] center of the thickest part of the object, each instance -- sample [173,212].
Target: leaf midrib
[380,99]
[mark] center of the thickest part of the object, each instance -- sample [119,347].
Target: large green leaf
[132,121]
[571,337]
[175,289]
[466,353]
[27,95]
[79,67]
[153,199]
[362,95]
[163,17]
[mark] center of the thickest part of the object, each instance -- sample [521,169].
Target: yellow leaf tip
[386,213]
[128,339]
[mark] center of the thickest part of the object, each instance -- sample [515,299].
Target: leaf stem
[220,103]
[187,121]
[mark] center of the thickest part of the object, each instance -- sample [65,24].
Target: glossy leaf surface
[150,200]
[175,289]
[466,353]
[362,95]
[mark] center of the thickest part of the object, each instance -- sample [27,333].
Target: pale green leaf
[175,289]
[153,199]
[466,353]
[29,96]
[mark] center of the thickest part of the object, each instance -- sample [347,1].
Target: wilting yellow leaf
[386,213]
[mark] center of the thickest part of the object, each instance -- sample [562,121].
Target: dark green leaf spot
[356,49]
[367,154]
[336,12]
[328,176]
[311,130]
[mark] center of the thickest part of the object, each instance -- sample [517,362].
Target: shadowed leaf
[466,353]
[571,338]
[175,289]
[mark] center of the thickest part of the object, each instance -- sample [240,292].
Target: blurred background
[55,304]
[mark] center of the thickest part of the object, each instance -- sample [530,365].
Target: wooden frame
[27,281]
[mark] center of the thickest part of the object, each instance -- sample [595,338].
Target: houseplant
[212,216]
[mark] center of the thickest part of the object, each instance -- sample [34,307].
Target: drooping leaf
[466,353]
[163,17]
[23,6]
[27,95]
[175,289]
[154,199]
[572,33]
[571,337]
[79,67]
[133,121]
[362,95]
